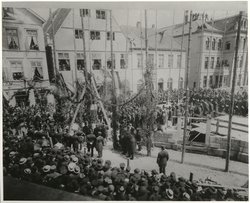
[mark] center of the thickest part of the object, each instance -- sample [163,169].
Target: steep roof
[137,37]
[20,15]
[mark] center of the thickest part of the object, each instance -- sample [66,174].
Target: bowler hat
[46,169]
[22,161]
[27,171]
[170,193]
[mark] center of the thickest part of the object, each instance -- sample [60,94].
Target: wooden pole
[84,50]
[85,72]
[75,53]
[232,95]
[114,99]
[186,87]
[221,71]
[53,43]
[182,37]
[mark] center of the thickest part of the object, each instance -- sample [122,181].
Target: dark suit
[162,160]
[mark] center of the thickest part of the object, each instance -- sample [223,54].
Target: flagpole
[232,95]
[186,87]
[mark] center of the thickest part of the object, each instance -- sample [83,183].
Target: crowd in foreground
[64,164]
[80,173]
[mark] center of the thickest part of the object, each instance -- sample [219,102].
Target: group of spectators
[78,172]
[208,101]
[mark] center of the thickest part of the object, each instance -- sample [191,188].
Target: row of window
[216,45]
[214,81]
[223,63]
[13,42]
[17,72]
[94,35]
[160,60]
[64,62]
[100,14]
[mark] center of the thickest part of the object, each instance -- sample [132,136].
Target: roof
[137,37]
[16,16]
[176,30]
[56,19]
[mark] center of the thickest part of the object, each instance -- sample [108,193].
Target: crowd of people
[40,147]
[208,101]
[75,171]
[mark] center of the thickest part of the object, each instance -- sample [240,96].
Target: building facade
[66,26]
[23,57]
[213,50]
[165,56]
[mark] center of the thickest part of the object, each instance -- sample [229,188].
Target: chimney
[138,24]
[186,17]
[153,25]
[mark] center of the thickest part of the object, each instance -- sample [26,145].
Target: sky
[161,13]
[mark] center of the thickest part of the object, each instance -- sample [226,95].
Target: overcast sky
[167,12]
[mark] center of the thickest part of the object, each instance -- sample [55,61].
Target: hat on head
[66,158]
[27,171]
[46,169]
[71,166]
[75,159]
[154,172]
[53,167]
[186,196]
[111,188]
[122,165]
[121,189]
[108,162]
[128,169]
[22,161]
[137,170]
[12,153]
[170,193]
[77,170]
[100,188]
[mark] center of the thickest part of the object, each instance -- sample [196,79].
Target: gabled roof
[137,37]
[16,17]
[58,17]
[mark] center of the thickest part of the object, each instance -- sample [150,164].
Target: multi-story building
[165,56]
[128,50]
[23,58]
[67,25]
[212,50]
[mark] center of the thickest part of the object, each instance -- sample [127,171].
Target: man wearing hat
[99,144]
[162,160]
[91,139]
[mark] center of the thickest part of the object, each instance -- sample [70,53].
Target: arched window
[160,84]
[181,83]
[170,84]
[207,43]
[219,44]
[213,44]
